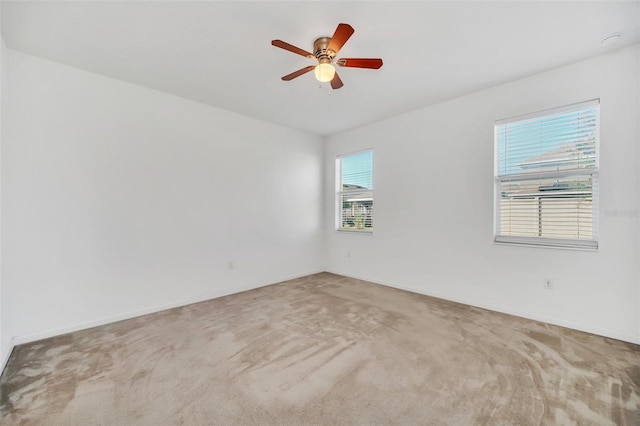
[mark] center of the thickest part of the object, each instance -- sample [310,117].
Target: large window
[546,177]
[354,177]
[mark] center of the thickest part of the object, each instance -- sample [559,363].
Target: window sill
[559,245]
[354,231]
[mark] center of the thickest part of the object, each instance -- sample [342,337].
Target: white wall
[433,216]
[638,205]
[4,346]
[119,200]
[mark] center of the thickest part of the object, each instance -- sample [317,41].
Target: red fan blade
[298,73]
[291,48]
[360,62]
[336,83]
[340,37]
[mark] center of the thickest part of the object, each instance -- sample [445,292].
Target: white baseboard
[220,292]
[627,337]
[19,340]
[6,355]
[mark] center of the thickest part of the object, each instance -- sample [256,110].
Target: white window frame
[593,172]
[368,193]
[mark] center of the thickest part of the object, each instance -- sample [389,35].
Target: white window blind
[546,173]
[355,192]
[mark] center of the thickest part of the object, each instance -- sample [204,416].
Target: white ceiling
[219,53]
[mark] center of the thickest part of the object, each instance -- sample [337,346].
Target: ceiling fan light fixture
[324,72]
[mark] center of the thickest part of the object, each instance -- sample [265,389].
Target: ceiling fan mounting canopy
[325,50]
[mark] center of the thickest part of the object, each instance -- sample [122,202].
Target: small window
[355,192]
[546,177]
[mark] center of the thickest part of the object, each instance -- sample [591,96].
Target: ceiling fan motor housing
[323,55]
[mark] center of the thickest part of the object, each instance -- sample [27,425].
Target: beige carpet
[323,349]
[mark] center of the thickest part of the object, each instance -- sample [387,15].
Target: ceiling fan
[325,50]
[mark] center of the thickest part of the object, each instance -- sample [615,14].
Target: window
[355,192]
[546,177]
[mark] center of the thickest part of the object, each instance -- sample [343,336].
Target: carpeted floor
[323,349]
